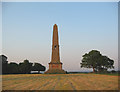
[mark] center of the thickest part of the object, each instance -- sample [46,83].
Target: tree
[38,67]
[4,61]
[25,67]
[13,68]
[94,59]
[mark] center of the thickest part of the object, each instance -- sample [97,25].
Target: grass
[114,74]
[59,82]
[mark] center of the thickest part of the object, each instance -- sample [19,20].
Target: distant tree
[25,67]
[113,71]
[13,68]
[4,61]
[38,67]
[96,61]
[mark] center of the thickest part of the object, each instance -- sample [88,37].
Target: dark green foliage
[24,67]
[97,61]
[13,68]
[38,67]
[4,61]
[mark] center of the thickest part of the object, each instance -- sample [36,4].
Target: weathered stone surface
[55,66]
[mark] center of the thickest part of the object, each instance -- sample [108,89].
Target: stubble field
[59,82]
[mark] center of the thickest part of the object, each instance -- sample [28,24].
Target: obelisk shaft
[55,66]
[55,35]
[55,46]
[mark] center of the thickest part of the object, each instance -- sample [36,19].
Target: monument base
[55,71]
[55,68]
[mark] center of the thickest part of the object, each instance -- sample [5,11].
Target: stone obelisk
[55,66]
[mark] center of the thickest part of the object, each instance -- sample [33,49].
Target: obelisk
[55,66]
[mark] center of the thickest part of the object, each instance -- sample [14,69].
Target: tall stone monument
[55,66]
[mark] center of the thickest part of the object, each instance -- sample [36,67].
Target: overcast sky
[82,27]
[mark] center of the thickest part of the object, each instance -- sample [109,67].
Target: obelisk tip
[55,24]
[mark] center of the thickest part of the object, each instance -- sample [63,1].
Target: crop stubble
[59,82]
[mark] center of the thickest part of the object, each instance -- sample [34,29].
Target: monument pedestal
[55,68]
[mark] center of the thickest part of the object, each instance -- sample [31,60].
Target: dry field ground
[59,82]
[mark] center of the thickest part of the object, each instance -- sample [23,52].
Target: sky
[82,26]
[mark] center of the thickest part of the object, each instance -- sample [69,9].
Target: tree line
[24,67]
[94,59]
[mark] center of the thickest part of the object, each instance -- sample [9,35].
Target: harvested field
[59,82]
